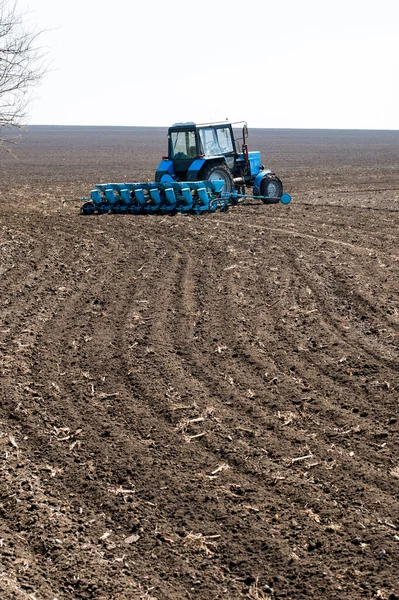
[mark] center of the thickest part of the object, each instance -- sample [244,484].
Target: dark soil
[200,407]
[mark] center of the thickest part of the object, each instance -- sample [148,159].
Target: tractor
[210,152]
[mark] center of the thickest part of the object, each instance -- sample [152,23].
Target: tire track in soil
[364,303]
[331,411]
[333,295]
[185,279]
[183,298]
[105,358]
[300,234]
[330,385]
[327,300]
[327,387]
[320,452]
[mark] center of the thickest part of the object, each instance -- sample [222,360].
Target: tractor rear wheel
[271,187]
[217,172]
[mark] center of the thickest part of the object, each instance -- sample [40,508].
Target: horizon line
[251,127]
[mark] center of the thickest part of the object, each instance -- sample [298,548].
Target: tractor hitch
[235,198]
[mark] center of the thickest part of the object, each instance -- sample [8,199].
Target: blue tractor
[210,152]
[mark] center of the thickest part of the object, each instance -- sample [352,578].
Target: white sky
[274,63]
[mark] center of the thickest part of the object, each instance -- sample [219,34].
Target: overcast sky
[285,63]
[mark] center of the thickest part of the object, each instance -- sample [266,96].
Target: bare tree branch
[21,69]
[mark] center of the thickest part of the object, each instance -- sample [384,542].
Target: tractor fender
[261,175]
[194,169]
[198,163]
[165,171]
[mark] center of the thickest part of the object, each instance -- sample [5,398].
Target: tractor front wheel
[271,187]
[216,173]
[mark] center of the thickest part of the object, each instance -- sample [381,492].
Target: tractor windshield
[183,144]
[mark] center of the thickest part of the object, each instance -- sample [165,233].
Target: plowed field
[200,407]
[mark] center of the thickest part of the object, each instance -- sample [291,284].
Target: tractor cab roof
[184,125]
[192,124]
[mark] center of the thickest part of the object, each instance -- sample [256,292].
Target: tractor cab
[193,148]
[211,152]
[188,140]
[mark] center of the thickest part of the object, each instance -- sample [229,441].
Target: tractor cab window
[209,141]
[216,141]
[224,139]
[183,144]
